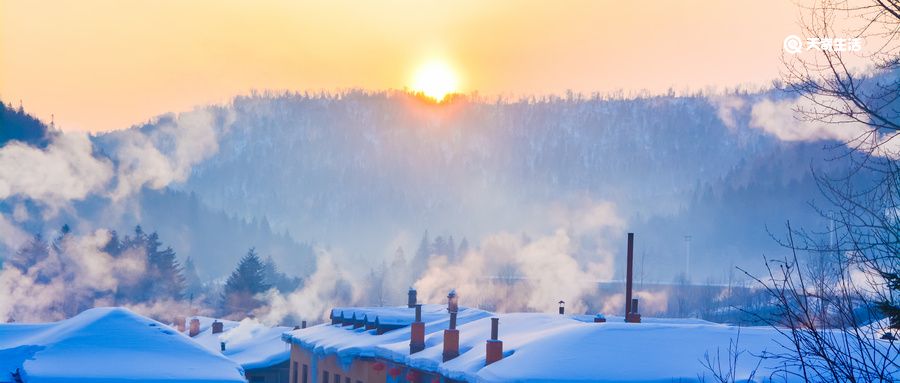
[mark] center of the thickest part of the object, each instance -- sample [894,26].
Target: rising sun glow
[436,80]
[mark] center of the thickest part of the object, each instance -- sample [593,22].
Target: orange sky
[106,64]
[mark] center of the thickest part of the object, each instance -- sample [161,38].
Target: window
[294,373]
[337,378]
[324,376]
[305,374]
[347,380]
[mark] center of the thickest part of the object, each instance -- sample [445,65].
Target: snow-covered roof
[349,343]
[248,342]
[548,347]
[108,345]
[394,316]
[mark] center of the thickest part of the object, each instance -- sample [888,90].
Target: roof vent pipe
[411,298]
[452,301]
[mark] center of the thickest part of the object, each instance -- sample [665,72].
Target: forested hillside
[356,170]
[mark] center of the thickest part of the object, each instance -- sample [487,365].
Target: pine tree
[163,271]
[451,248]
[33,252]
[245,282]
[890,306]
[398,278]
[275,278]
[133,290]
[440,246]
[463,247]
[420,261]
[113,247]
[193,284]
[61,237]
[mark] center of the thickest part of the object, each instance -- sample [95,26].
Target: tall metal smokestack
[628,273]
[631,304]
[687,257]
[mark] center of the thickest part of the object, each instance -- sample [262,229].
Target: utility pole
[687,257]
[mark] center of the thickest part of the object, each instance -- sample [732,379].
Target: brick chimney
[494,346]
[179,324]
[417,333]
[451,339]
[302,324]
[195,327]
[217,327]
[411,298]
[631,315]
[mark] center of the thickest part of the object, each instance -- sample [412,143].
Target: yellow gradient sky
[106,64]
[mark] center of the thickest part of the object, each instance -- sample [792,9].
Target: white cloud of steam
[510,273]
[726,108]
[166,309]
[327,287]
[247,329]
[505,272]
[66,170]
[650,302]
[780,119]
[11,235]
[66,281]
[166,155]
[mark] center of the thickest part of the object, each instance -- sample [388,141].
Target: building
[487,347]
[108,345]
[257,348]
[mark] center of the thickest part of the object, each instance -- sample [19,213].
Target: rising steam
[70,169]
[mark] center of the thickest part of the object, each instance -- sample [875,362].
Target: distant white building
[108,345]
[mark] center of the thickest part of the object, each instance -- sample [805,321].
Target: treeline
[439,246]
[143,271]
[17,125]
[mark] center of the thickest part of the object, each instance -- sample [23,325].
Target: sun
[436,80]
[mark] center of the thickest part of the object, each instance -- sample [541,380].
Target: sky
[99,65]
